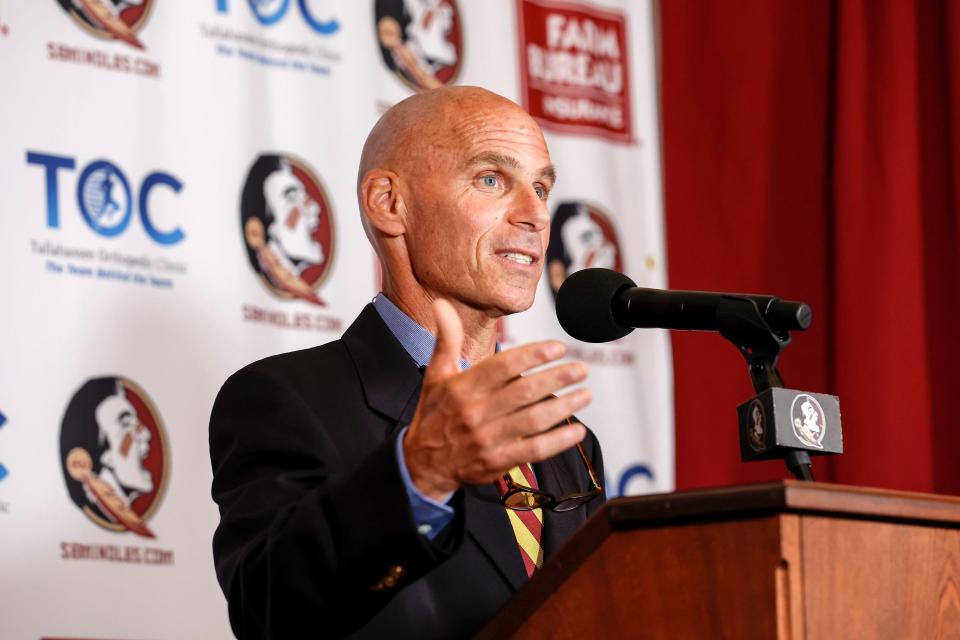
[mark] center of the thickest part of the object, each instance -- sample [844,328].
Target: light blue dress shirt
[430,515]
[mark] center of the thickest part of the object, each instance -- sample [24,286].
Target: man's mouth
[518,257]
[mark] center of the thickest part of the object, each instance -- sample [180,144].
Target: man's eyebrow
[493,158]
[549,172]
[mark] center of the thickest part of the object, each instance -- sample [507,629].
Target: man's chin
[510,306]
[497,304]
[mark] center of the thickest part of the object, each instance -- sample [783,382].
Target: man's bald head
[424,122]
[452,189]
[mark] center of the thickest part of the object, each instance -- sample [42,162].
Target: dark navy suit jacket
[315,515]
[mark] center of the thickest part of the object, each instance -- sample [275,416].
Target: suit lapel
[391,383]
[390,378]
[487,523]
[555,476]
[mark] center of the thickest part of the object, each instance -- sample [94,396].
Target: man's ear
[382,202]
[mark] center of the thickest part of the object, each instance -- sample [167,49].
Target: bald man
[356,480]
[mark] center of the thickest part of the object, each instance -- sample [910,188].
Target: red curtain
[812,151]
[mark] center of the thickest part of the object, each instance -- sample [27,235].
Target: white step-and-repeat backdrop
[142,261]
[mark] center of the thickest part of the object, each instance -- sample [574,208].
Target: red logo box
[574,73]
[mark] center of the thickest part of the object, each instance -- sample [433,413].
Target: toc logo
[105,197]
[636,479]
[270,12]
[3,469]
[119,19]
[113,451]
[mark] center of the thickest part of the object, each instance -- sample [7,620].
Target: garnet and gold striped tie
[527,525]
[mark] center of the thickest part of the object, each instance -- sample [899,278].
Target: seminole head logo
[420,40]
[809,423]
[114,454]
[112,19]
[757,426]
[581,236]
[287,226]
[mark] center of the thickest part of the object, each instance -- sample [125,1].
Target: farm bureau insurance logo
[4,508]
[573,68]
[420,40]
[114,454]
[287,226]
[108,20]
[581,236]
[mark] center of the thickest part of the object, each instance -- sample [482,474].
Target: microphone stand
[741,323]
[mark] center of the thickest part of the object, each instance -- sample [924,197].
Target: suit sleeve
[302,544]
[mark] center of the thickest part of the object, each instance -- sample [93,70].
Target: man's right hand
[473,426]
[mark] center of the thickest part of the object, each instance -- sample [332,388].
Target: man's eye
[541,193]
[489,181]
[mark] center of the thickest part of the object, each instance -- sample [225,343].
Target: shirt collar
[416,340]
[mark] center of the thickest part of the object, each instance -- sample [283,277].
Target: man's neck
[479,329]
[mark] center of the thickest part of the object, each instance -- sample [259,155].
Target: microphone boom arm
[741,322]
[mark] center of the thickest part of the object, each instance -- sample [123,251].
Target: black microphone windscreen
[585,304]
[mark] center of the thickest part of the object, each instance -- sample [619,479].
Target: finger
[498,370]
[529,389]
[544,445]
[446,354]
[536,418]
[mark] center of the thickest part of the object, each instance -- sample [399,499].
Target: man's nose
[529,211]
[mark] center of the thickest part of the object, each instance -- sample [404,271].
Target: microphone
[600,305]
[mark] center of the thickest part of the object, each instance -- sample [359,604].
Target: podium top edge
[786,496]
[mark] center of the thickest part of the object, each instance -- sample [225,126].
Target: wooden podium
[780,560]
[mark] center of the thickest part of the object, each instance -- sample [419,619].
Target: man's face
[477,213]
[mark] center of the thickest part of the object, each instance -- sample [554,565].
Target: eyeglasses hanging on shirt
[523,498]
